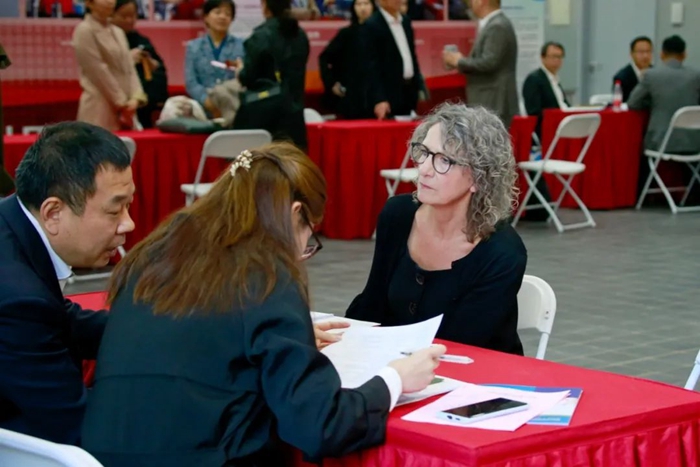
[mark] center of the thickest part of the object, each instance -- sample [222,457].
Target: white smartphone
[483,410]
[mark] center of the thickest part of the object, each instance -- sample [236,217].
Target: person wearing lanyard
[216,46]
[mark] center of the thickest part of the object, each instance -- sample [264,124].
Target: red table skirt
[612,161]
[619,421]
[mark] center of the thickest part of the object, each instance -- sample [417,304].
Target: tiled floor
[628,291]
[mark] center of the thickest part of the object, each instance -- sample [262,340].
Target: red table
[612,161]
[620,421]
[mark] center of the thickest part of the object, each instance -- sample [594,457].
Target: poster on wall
[528,20]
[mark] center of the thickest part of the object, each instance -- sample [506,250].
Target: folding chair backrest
[686,118]
[537,306]
[694,374]
[576,127]
[228,144]
[130,146]
[17,449]
[312,116]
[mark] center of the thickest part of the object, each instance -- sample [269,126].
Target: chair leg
[542,347]
[694,177]
[390,188]
[523,204]
[548,207]
[189,199]
[567,188]
[652,171]
[664,190]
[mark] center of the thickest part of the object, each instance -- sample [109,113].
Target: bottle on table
[617,96]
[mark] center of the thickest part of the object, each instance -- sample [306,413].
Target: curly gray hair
[477,139]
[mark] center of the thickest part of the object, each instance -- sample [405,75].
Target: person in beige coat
[111,87]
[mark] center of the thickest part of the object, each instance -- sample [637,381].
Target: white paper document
[318,317]
[439,385]
[472,394]
[364,351]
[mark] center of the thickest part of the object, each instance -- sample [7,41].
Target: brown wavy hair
[232,245]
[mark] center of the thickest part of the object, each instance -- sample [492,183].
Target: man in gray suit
[491,64]
[664,90]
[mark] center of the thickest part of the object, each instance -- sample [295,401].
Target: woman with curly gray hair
[449,248]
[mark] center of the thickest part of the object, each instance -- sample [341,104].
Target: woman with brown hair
[209,354]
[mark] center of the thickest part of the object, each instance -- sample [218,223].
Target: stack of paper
[364,351]
[472,394]
[439,385]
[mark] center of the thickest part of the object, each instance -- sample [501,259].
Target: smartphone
[483,410]
[451,48]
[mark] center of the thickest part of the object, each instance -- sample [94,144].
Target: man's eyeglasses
[314,245]
[441,163]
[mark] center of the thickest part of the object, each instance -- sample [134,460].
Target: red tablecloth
[612,161]
[619,421]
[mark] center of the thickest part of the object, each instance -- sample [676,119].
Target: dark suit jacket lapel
[33,248]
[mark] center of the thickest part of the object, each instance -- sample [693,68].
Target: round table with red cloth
[619,421]
[612,161]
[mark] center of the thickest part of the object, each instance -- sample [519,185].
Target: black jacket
[628,81]
[268,51]
[343,61]
[214,389]
[384,66]
[539,95]
[477,296]
[157,88]
[43,337]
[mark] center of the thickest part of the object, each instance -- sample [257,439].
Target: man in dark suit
[394,78]
[491,65]
[641,51]
[74,188]
[541,89]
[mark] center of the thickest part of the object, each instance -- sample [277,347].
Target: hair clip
[244,160]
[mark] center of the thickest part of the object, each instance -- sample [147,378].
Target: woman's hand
[126,113]
[325,338]
[418,370]
[136,54]
[338,90]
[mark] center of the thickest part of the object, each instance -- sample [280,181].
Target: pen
[447,358]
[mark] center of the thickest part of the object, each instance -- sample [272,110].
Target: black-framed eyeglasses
[314,245]
[441,163]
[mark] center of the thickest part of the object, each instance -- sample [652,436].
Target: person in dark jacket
[74,187]
[209,357]
[641,52]
[342,66]
[449,249]
[149,65]
[277,51]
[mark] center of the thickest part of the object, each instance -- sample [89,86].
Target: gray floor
[628,298]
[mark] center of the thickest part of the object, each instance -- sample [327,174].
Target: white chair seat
[553,166]
[672,157]
[202,189]
[405,175]
[17,449]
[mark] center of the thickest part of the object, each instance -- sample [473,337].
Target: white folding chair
[21,450]
[225,144]
[392,177]
[694,374]
[537,306]
[312,116]
[30,129]
[131,148]
[600,99]
[572,127]
[685,118]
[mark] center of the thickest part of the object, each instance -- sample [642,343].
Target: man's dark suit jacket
[628,80]
[384,65]
[43,337]
[539,95]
